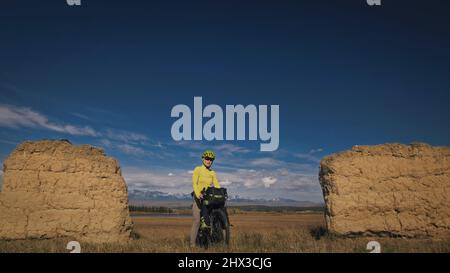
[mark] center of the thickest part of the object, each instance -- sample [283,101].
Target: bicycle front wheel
[221,227]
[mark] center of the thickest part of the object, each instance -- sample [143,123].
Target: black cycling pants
[203,210]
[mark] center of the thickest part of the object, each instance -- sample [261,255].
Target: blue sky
[108,73]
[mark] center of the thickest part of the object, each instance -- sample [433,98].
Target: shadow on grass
[318,232]
[135,235]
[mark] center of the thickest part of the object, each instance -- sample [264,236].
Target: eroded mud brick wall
[391,189]
[53,189]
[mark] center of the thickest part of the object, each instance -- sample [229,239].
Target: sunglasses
[208,158]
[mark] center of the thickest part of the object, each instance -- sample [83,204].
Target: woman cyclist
[202,178]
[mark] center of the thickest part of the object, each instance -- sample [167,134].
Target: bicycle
[215,202]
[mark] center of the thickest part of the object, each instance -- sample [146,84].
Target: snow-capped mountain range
[145,195]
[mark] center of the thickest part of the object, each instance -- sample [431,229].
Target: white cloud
[130,149]
[106,143]
[17,117]
[268,181]
[130,143]
[279,180]
[82,116]
[225,182]
[23,117]
[126,148]
[138,178]
[318,150]
[309,156]
[265,162]
[230,149]
[125,136]
[158,144]
[123,147]
[194,145]
[241,178]
[170,174]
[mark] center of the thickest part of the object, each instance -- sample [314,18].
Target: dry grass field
[251,232]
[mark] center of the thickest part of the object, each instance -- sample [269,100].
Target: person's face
[208,161]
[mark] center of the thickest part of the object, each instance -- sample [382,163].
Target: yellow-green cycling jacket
[202,178]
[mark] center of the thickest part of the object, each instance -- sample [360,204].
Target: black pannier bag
[215,197]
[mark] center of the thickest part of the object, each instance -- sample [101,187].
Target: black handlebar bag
[215,197]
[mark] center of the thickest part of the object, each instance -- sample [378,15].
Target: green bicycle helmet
[209,153]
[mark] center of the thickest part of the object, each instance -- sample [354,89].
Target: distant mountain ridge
[136,195]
